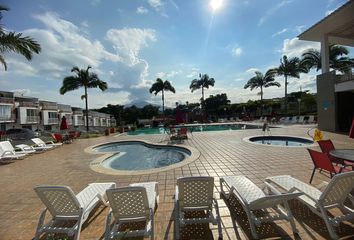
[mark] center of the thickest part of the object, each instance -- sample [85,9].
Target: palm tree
[290,68]
[162,86]
[15,42]
[312,58]
[204,81]
[262,81]
[84,79]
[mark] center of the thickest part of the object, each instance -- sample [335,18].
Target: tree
[215,104]
[290,68]
[162,86]
[82,78]
[204,81]
[15,42]
[262,81]
[312,58]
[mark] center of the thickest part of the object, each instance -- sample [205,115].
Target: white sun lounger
[196,194]
[26,149]
[333,196]
[63,205]
[135,203]
[8,151]
[252,198]
[40,143]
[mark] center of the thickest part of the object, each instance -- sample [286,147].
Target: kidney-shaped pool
[132,156]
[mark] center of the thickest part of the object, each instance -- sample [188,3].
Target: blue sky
[129,43]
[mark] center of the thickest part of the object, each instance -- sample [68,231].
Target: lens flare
[215,4]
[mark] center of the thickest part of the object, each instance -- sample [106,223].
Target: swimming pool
[285,141]
[197,128]
[136,155]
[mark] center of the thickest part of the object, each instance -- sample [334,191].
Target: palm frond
[3,62]
[14,42]
[69,84]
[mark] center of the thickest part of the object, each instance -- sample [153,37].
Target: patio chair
[321,161]
[253,198]
[301,120]
[327,146]
[294,120]
[40,143]
[64,206]
[333,196]
[25,148]
[195,194]
[7,151]
[133,204]
[59,138]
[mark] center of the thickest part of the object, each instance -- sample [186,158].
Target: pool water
[139,156]
[196,128]
[282,141]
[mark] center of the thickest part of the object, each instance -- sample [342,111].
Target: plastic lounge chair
[294,120]
[301,120]
[321,161]
[8,151]
[132,204]
[195,194]
[327,146]
[333,196]
[252,198]
[26,149]
[64,206]
[40,143]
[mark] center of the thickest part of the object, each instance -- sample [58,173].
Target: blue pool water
[196,128]
[282,141]
[139,156]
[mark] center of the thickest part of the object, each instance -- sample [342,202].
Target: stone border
[96,164]
[247,139]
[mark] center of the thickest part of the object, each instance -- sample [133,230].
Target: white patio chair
[294,120]
[196,194]
[301,120]
[26,149]
[7,151]
[333,196]
[133,204]
[40,143]
[252,198]
[64,206]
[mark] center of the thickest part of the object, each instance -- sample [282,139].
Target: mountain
[138,104]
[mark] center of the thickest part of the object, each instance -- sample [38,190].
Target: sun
[215,4]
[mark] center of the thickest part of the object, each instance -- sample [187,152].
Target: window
[32,112]
[53,115]
[5,112]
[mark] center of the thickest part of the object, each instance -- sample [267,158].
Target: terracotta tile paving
[222,153]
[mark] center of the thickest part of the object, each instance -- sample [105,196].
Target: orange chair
[60,138]
[321,161]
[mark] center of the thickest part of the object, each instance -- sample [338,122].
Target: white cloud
[280,32]
[271,11]
[142,10]
[129,41]
[252,70]
[158,6]
[236,51]
[295,47]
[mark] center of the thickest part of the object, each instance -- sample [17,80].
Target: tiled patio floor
[222,153]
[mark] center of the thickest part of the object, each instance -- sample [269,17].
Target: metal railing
[10,118]
[32,119]
[345,77]
[53,121]
[7,100]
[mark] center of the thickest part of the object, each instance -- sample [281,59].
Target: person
[265,128]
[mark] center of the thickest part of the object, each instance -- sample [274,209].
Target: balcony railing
[53,121]
[29,104]
[7,100]
[345,77]
[79,122]
[32,119]
[9,118]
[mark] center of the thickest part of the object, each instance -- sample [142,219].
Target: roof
[338,26]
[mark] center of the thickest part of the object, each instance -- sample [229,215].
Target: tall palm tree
[337,59]
[82,78]
[15,42]
[291,67]
[262,81]
[162,86]
[204,81]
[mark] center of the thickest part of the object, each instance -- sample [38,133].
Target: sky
[130,43]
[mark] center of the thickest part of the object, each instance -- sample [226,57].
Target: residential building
[66,111]
[28,113]
[7,110]
[78,117]
[50,115]
[335,92]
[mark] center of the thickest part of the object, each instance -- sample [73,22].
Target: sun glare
[215,4]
